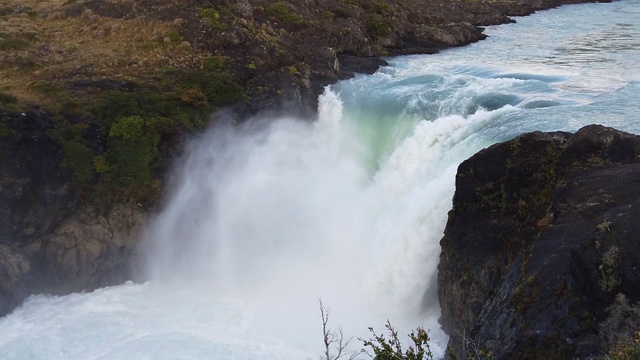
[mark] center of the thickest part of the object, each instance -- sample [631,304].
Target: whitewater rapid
[268,216]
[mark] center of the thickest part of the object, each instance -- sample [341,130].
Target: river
[271,215]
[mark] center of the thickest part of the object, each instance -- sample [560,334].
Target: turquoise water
[270,216]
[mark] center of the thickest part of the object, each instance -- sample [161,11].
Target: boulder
[540,253]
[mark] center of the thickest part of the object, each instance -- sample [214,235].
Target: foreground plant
[391,349]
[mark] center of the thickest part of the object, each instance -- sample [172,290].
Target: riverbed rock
[540,252]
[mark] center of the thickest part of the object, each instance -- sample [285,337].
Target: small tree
[391,349]
[335,344]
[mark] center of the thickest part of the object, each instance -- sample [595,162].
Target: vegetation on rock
[391,348]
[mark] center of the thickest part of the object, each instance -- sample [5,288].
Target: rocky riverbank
[540,253]
[98,97]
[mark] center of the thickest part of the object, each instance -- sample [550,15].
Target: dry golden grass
[62,48]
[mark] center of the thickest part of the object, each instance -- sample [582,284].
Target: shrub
[328,15]
[610,279]
[101,164]
[128,128]
[211,17]
[132,148]
[281,11]
[78,157]
[391,349]
[377,26]
[114,105]
[194,97]
[218,86]
[174,36]
[214,63]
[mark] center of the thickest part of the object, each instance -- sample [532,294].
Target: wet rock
[91,249]
[367,65]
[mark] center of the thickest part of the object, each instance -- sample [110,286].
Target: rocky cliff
[52,240]
[540,256]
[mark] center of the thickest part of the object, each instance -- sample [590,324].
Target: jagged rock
[91,248]
[541,248]
[34,189]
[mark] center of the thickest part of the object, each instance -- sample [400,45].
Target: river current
[269,216]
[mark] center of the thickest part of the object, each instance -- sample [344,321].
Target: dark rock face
[540,255]
[49,242]
[33,185]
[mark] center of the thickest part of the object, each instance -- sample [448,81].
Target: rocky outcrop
[283,52]
[540,253]
[50,242]
[90,249]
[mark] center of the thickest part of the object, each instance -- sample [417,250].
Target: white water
[270,215]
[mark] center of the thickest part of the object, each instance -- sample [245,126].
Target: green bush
[128,128]
[78,157]
[376,26]
[328,15]
[214,63]
[281,11]
[211,17]
[114,105]
[174,36]
[391,349]
[101,164]
[132,148]
[219,87]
